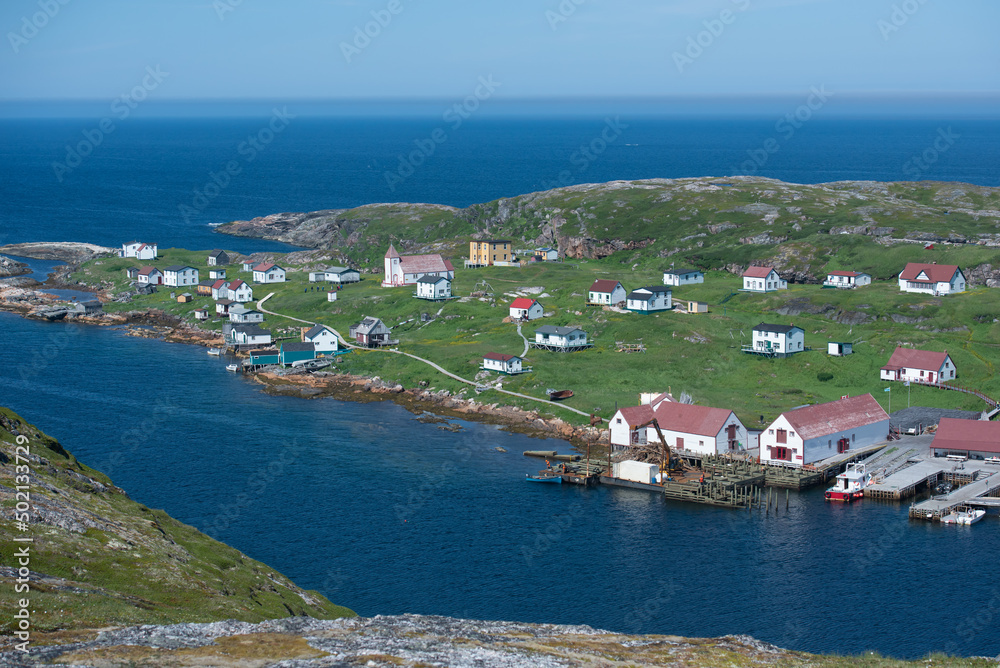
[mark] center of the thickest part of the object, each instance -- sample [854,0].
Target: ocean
[386,514]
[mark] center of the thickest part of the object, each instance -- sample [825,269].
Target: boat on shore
[849,485]
[556,395]
[215,351]
[964,515]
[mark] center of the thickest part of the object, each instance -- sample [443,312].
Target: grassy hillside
[100,559]
[712,223]
[699,354]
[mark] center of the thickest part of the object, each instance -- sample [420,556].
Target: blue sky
[228,49]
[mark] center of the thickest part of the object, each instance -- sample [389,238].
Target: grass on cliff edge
[140,566]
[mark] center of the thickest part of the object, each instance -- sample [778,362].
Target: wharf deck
[933,509]
[728,496]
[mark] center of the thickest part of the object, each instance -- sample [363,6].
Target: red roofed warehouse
[699,429]
[523,308]
[933,279]
[606,291]
[763,279]
[920,366]
[975,439]
[811,433]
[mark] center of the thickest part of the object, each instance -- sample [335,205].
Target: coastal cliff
[98,558]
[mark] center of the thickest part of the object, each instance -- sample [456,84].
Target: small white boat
[215,351]
[964,515]
[232,367]
[850,484]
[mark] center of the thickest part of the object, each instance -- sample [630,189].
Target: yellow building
[488,252]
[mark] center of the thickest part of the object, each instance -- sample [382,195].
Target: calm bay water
[385,514]
[389,515]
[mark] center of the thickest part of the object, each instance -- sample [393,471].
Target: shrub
[824,376]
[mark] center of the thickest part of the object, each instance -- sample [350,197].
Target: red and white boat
[850,485]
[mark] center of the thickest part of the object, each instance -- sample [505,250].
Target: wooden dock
[982,491]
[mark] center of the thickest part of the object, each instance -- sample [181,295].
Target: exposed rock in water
[9,267]
[66,251]
[405,640]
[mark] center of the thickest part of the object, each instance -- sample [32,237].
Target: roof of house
[266,266]
[202,310]
[433,280]
[367,324]
[840,272]
[240,309]
[604,285]
[178,267]
[339,270]
[225,302]
[636,415]
[522,302]
[298,346]
[911,358]
[236,285]
[559,331]
[206,284]
[147,271]
[317,330]
[642,293]
[682,272]
[252,330]
[493,241]
[835,416]
[260,353]
[413,264]
[217,253]
[219,283]
[936,273]
[545,250]
[758,272]
[778,329]
[501,357]
[976,435]
[691,419]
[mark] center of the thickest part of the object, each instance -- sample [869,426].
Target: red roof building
[971,438]
[919,366]
[936,279]
[700,429]
[606,291]
[812,433]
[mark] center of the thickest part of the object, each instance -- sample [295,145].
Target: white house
[524,308]
[846,279]
[700,429]
[246,335]
[932,279]
[177,275]
[335,275]
[218,258]
[242,315]
[839,348]
[372,332]
[220,289]
[680,277]
[268,272]
[606,291]
[322,337]
[433,287]
[777,340]
[248,265]
[921,366]
[763,279]
[331,296]
[138,250]
[406,269]
[222,306]
[150,276]
[809,434]
[650,299]
[507,364]
[216,274]
[560,339]
[239,291]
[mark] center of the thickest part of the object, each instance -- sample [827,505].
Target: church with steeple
[407,269]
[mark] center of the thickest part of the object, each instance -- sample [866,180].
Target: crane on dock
[667,464]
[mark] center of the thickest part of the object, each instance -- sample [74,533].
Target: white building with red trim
[846,279]
[526,309]
[138,250]
[699,429]
[975,439]
[149,276]
[805,435]
[268,272]
[763,279]
[502,363]
[932,279]
[407,269]
[920,366]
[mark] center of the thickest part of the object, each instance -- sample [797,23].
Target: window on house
[782,436]
[853,439]
[680,443]
[792,434]
[829,444]
[618,421]
[770,432]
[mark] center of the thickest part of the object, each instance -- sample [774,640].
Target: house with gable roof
[607,292]
[932,279]
[919,366]
[700,429]
[763,279]
[407,269]
[524,308]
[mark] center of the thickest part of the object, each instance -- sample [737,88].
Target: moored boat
[232,367]
[543,477]
[214,351]
[849,485]
[964,515]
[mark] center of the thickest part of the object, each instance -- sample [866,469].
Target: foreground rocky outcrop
[66,251]
[9,267]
